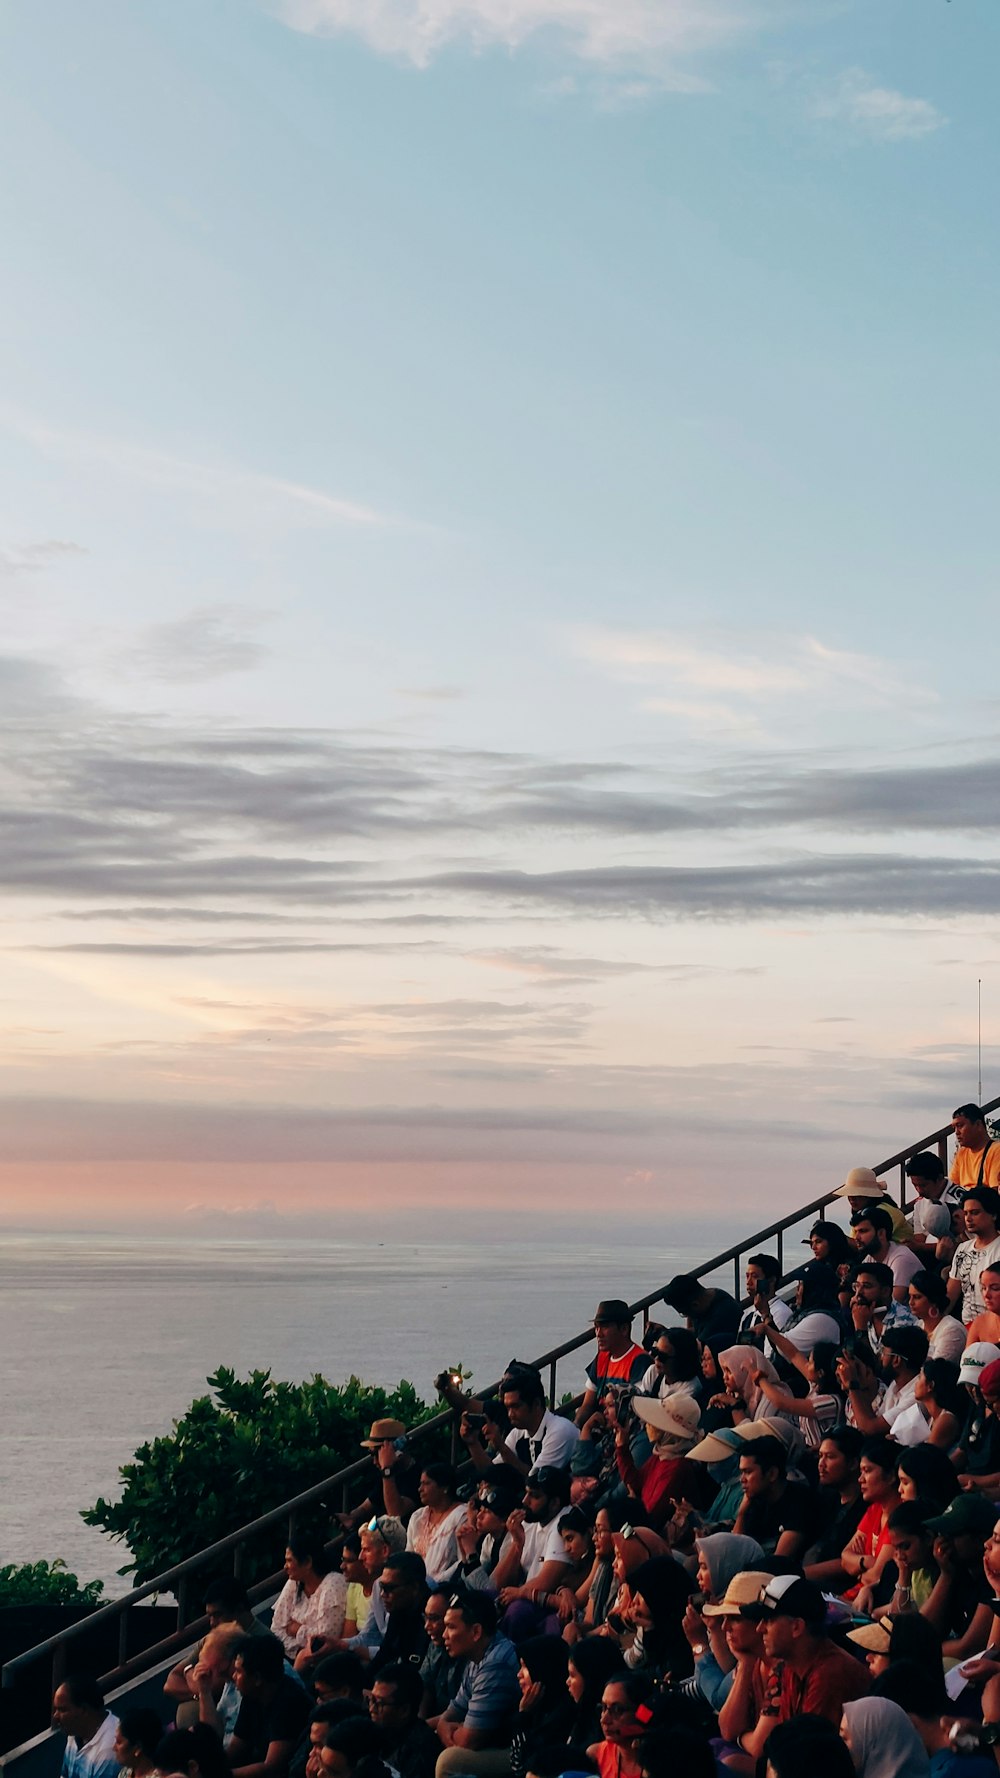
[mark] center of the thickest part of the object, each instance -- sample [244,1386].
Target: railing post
[736,1277]
[552,1385]
[123,1638]
[181,1593]
[942,1149]
[781,1252]
[238,1558]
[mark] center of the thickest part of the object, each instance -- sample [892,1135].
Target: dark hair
[824,1357]
[883,1453]
[361,1743]
[766,1263]
[661,1752]
[909,1684]
[932,1471]
[84,1691]
[621,1511]
[808,1743]
[410,1567]
[408,1683]
[987,1198]
[841,1250]
[942,1379]
[880,1219]
[262,1656]
[911,1517]
[925,1166]
[475,1607]
[686,1360]
[308,1546]
[682,1291]
[637,1685]
[912,1637]
[525,1383]
[577,1520]
[848,1440]
[974,1114]
[932,1286]
[819,1287]
[595,1659]
[337,1710]
[666,1588]
[228,1592]
[351,1545]
[883,1275]
[341,1671]
[199,1746]
[767,1453]
[443,1474]
[141,1728]
[908,1343]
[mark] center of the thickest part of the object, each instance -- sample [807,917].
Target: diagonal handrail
[178,1575]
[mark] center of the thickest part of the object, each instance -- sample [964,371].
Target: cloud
[876,113]
[653,36]
[205,644]
[33,558]
[214,484]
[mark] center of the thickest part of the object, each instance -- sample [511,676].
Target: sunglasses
[661,1357]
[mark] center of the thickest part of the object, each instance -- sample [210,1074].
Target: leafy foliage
[238,1453]
[45,1583]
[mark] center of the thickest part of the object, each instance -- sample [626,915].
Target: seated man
[936,1203]
[904,1350]
[411,1747]
[211,1684]
[874,1307]
[537,1563]
[404,1592]
[339,1676]
[476,1728]
[227,1603]
[777,1513]
[379,1540]
[977,1157]
[79,1713]
[809,1675]
[392,1488]
[839,1507]
[440,1675]
[538,1439]
[618,1358]
[763,1275]
[872,1231]
[712,1315]
[273,1710]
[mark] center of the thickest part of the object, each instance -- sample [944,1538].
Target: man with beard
[537,1553]
[904,1350]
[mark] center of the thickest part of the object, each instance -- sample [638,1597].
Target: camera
[475,1422]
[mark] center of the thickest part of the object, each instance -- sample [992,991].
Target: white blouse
[437,1544]
[322,1615]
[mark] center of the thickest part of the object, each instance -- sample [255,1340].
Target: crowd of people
[766,1543]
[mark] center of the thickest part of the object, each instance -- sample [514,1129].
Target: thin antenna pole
[980,1040]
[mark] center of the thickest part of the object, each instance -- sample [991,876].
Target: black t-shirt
[405,1640]
[721,1320]
[405,1474]
[283,1719]
[416,1755]
[835,1526]
[767,1519]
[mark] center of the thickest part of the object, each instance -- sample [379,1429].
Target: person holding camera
[666,1477]
[392,1490]
[538,1438]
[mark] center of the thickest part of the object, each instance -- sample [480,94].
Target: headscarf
[727,1554]
[666,1587]
[884,1742]
[546,1658]
[743,1361]
[638,1548]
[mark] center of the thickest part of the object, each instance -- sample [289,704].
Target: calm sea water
[107,1340]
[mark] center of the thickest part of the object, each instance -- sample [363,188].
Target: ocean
[106,1340]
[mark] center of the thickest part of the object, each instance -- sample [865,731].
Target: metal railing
[177,1580]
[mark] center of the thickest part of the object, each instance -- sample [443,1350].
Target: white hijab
[884,1742]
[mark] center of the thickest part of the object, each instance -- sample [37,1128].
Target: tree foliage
[45,1583]
[236,1454]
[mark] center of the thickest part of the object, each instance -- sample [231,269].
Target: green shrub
[239,1452]
[45,1583]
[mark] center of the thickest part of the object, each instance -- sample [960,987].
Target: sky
[498,562]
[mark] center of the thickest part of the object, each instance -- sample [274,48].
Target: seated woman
[572,1595]
[930,1303]
[926,1474]
[882,1740]
[742,1394]
[676,1364]
[938,1404]
[546,1709]
[817,1317]
[309,1612]
[591,1664]
[432,1529]
[822,1408]
[666,1477]
[659,1592]
[615,1754]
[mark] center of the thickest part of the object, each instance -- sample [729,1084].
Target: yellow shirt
[965,1167]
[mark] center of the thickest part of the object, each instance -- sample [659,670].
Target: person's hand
[979,1669]
[944,1556]
[565,1604]
[345,1520]
[467,1537]
[385,1458]
[903,1568]
[468,1434]
[532,1697]
[864,1602]
[509,1594]
[595,1423]
[492,1433]
[293,1627]
[515,1525]
[200,1679]
[861,1316]
[760,1377]
[693,1625]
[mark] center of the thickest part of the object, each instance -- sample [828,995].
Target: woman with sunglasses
[615,1753]
[675,1367]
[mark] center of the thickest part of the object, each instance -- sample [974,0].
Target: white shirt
[780,1314]
[96,1758]
[816,1329]
[654,1382]
[322,1615]
[551,1447]
[930,1219]
[895,1400]
[947,1340]
[968,1263]
[542,1543]
[436,1544]
[903,1263]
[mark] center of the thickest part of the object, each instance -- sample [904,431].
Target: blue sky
[498,556]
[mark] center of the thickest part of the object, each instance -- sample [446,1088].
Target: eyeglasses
[616,1709]
[393,1586]
[661,1357]
[380,1703]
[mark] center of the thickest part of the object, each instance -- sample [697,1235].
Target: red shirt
[830,1681]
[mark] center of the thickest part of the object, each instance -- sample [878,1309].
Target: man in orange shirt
[977,1158]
